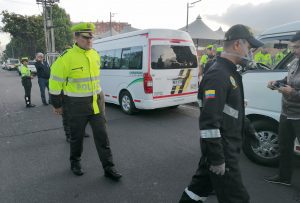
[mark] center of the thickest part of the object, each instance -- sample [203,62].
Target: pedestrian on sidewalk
[43,74]
[77,73]
[26,81]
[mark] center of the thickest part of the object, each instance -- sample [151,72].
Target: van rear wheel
[127,104]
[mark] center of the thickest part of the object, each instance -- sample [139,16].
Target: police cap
[86,29]
[210,47]
[240,31]
[24,59]
[296,37]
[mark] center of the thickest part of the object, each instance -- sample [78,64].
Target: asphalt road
[156,151]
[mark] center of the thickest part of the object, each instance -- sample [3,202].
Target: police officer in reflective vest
[26,81]
[221,101]
[77,73]
[206,58]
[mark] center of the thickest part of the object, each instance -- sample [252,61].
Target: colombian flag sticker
[210,94]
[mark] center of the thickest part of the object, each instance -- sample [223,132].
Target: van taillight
[148,83]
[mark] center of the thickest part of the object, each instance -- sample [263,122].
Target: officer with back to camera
[221,101]
[77,73]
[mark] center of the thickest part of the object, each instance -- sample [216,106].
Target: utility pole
[48,25]
[189,5]
[110,23]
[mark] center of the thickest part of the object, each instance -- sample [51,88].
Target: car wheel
[267,151]
[127,104]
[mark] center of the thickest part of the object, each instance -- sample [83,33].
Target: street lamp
[189,5]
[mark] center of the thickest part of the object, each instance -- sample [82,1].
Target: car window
[31,62]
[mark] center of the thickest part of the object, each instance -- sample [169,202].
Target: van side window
[132,58]
[103,59]
[110,57]
[125,58]
[136,58]
[117,59]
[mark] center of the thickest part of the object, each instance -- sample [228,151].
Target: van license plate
[177,82]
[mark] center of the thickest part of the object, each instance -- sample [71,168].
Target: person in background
[210,62]
[26,81]
[205,58]
[77,73]
[221,123]
[43,74]
[263,57]
[289,124]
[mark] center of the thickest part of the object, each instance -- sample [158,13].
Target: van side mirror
[280,46]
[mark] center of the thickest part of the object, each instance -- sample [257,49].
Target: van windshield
[173,57]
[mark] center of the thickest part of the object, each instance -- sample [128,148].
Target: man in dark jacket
[221,123]
[43,74]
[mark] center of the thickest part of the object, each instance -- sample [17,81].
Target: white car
[32,67]
[264,105]
[12,64]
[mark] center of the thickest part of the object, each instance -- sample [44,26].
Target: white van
[264,105]
[148,69]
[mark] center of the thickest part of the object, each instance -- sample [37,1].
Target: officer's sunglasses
[86,37]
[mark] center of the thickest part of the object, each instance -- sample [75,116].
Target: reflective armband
[211,133]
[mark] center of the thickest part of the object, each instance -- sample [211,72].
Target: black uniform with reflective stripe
[221,124]
[223,78]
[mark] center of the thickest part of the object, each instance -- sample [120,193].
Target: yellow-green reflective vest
[25,72]
[204,59]
[77,73]
[263,58]
[279,56]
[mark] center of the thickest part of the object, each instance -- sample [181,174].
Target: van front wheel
[127,104]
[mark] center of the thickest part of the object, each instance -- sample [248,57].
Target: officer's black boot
[28,102]
[76,168]
[112,173]
[186,199]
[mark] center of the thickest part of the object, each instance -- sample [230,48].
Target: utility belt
[81,99]
[26,78]
[83,106]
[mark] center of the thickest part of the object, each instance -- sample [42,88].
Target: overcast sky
[258,14]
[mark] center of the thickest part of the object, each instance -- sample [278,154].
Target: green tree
[27,32]
[62,28]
